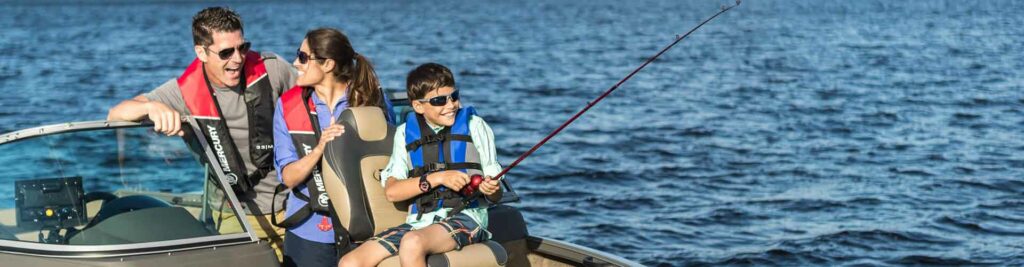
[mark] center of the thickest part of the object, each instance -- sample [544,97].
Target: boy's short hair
[426,78]
[213,19]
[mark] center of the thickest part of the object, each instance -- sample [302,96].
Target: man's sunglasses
[303,57]
[441,100]
[228,52]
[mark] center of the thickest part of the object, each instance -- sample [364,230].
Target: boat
[99,193]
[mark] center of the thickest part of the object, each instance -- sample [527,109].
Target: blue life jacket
[449,149]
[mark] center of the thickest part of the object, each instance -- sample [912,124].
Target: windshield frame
[102,251]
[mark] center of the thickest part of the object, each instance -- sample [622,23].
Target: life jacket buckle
[436,167]
[434,138]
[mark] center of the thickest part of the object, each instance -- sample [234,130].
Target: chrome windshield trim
[101,251]
[63,127]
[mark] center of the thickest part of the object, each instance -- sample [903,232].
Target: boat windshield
[88,186]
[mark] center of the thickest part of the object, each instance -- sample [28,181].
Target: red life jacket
[259,102]
[304,128]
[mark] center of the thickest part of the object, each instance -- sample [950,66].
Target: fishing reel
[473,185]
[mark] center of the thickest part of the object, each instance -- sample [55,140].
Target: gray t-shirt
[282,77]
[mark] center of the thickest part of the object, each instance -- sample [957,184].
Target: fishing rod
[477,179]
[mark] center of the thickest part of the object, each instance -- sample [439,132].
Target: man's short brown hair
[428,77]
[214,19]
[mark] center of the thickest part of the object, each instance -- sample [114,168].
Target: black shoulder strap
[304,212]
[430,149]
[342,238]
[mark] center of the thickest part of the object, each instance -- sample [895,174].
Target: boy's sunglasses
[441,100]
[228,52]
[303,57]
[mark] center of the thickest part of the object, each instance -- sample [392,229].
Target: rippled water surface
[782,133]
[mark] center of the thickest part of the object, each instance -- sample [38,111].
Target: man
[231,92]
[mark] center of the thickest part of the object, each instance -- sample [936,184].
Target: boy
[439,147]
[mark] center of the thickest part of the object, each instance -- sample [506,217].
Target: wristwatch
[424,184]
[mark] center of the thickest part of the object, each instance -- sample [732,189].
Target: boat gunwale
[558,248]
[121,250]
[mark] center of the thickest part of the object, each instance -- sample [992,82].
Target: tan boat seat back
[351,169]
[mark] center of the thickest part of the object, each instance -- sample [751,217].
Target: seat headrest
[370,122]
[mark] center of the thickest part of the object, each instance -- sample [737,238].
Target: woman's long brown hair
[350,67]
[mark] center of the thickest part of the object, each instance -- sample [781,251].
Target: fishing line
[499,176]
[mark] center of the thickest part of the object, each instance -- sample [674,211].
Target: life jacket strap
[342,238]
[290,221]
[437,138]
[438,166]
[435,199]
[257,175]
[301,214]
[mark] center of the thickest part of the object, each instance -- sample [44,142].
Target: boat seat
[351,170]
[508,228]
[506,224]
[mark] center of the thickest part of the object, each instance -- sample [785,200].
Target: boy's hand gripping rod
[477,193]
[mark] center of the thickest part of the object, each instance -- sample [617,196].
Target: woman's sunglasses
[441,100]
[303,57]
[228,52]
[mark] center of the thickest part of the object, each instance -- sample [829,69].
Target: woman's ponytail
[364,88]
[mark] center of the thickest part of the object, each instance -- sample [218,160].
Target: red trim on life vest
[193,91]
[196,93]
[295,116]
[254,68]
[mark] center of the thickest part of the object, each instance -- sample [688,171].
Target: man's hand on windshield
[165,119]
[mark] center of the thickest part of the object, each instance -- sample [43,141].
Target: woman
[332,77]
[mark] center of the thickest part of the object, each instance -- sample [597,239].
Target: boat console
[49,203]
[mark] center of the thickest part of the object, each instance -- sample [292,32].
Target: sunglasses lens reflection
[244,48]
[438,101]
[302,56]
[226,53]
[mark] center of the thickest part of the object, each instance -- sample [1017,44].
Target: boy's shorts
[463,229]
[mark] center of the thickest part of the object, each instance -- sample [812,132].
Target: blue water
[783,133]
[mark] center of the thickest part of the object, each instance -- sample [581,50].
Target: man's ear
[201,53]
